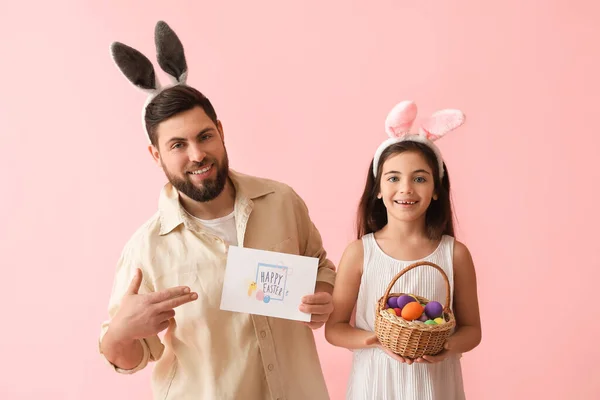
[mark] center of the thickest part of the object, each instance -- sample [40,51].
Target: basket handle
[405,270]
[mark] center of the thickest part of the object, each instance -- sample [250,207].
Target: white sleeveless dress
[374,374]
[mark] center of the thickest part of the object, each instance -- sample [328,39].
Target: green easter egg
[430,322]
[439,321]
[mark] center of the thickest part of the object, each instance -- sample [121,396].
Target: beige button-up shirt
[207,353]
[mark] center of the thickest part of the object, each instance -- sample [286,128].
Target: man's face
[191,152]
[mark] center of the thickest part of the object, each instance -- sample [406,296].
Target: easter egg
[430,322]
[393,302]
[404,300]
[260,295]
[398,311]
[439,321]
[412,311]
[433,309]
[267,299]
[390,311]
[423,317]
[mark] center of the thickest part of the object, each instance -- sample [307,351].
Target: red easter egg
[398,311]
[412,311]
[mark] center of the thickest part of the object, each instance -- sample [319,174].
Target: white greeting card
[268,283]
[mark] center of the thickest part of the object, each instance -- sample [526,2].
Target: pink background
[303,89]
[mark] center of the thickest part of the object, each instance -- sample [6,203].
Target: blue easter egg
[267,299]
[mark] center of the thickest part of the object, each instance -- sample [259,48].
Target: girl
[405,216]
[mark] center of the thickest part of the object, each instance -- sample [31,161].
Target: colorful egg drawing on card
[260,295]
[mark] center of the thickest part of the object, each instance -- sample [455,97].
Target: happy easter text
[271,283]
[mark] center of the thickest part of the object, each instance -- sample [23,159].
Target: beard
[210,189]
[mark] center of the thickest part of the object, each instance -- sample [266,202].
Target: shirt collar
[172,214]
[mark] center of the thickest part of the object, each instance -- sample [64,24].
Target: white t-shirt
[223,227]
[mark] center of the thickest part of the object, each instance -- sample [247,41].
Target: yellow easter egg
[391,311]
[439,321]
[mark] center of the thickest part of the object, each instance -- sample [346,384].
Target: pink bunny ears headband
[401,118]
[139,70]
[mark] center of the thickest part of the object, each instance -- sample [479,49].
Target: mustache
[204,163]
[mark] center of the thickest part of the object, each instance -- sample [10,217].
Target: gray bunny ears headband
[138,69]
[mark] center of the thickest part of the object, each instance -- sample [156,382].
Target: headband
[139,70]
[401,118]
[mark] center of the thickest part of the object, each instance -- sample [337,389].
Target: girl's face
[406,186]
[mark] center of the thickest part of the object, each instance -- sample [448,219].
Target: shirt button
[271,367]
[263,334]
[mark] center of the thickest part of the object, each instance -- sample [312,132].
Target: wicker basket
[408,338]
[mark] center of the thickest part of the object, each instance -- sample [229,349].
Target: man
[170,274]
